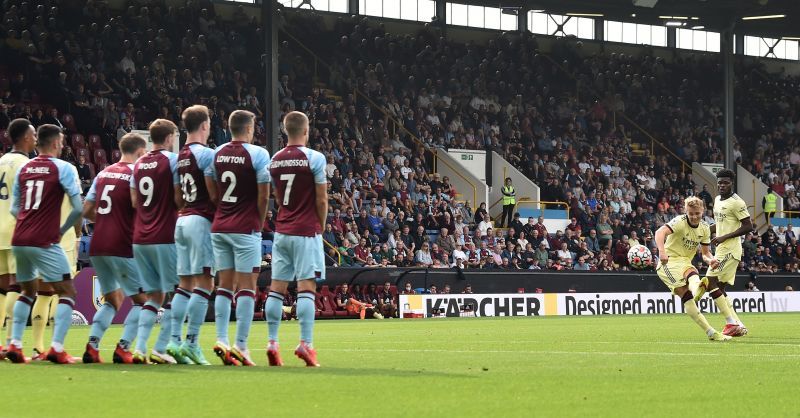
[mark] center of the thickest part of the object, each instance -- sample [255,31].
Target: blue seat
[547,213]
[83,248]
[266,247]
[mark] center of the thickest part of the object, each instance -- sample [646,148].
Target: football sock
[165,332]
[54,301]
[131,327]
[245,308]
[11,301]
[722,304]
[733,311]
[39,316]
[147,320]
[63,319]
[100,323]
[180,302]
[2,308]
[22,309]
[306,308]
[697,317]
[197,309]
[274,313]
[222,314]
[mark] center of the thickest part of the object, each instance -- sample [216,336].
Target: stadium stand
[574,123]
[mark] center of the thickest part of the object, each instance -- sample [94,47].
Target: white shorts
[298,258]
[117,272]
[240,252]
[49,263]
[157,266]
[193,243]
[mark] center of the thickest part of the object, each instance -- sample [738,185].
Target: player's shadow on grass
[290,370]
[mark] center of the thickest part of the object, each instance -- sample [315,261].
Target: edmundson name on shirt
[288,163]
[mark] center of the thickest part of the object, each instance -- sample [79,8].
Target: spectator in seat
[407,289]
[467,289]
[423,256]
[84,173]
[387,302]
[268,231]
[342,297]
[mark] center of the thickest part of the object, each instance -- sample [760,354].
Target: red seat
[99,156]
[116,155]
[92,170]
[102,167]
[81,152]
[95,142]
[323,307]
[78,141]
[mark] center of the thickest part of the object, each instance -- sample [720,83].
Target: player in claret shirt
[193,238]
[157,196]
[241,172]
[39,189]
[108,205]
[301,195]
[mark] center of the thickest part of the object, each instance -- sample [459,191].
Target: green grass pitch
[556,366]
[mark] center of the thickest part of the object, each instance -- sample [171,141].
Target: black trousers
[508,210]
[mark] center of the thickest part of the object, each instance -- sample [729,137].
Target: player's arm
[68,177]
[177,191]
[177,197]
[15,194]
[211,186]
[322,203]
[89,204]
[661,238]
[708,258]
[263,201]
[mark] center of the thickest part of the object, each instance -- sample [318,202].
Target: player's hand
[713,263]
[717,240]
[663,259]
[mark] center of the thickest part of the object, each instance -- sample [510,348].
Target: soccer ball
[639,257]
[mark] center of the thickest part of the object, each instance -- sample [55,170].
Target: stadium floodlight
[763,17]
[538,11]
[674,17]
[675,23]
[698,27]
[586,14]
[791,38]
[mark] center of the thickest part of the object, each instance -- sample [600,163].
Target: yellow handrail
[396,122]
[334,248]
[624,116]
[535,202]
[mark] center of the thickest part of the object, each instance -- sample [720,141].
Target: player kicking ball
[677,243]
[301,194]
[241,172]
[108,205]
[732,221]
[39,189]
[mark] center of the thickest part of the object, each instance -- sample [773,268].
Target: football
[639,257]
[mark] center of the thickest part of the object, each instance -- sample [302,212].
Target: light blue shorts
[241,252]
[157,265]
[298,258]
[117,272]
[193,242]
[49,263]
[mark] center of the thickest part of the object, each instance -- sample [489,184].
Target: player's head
[296,126]
[197,121]
[695,207]
[132,146]
[725,179]
[162,133]
[22,134]
[242,125]
[50,140]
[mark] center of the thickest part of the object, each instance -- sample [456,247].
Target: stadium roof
[714,15]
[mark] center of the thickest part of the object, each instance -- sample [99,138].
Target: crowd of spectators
[558,117]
